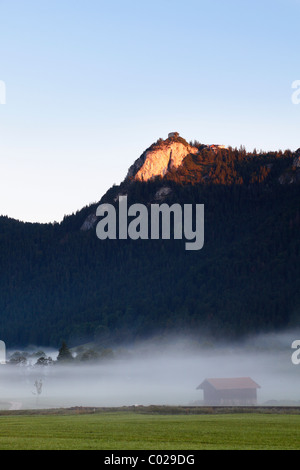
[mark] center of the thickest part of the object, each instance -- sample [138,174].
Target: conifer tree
[64,353]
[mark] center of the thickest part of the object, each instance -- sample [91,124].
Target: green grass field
[134,431]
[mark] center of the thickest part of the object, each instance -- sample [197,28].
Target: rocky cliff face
[159,158]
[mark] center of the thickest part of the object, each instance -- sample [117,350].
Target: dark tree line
[58,282]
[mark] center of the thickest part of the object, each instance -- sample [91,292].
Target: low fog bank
[158,372]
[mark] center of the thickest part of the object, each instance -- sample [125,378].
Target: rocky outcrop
[161,157]
[296,162]
[89,222]
[162,193]
[157,160]
[292,174]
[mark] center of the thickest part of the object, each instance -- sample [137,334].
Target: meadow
[129,430]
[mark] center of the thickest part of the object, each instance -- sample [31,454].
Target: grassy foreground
[133,431]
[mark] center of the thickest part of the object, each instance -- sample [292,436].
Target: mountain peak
[162,156]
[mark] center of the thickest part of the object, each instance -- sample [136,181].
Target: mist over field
[158,372]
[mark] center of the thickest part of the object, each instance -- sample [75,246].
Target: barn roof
[236,383]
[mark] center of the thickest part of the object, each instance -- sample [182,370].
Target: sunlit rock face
[163,156]
[157,160]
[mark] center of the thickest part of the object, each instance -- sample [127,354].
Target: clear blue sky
[90,84]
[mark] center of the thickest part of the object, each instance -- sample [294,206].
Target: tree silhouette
[64,354]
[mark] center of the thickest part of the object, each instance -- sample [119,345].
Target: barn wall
[229,397]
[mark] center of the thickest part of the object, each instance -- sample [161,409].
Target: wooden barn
[229,391]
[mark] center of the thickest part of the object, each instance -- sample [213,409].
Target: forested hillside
[58,282]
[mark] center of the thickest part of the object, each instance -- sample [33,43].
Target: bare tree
[38,384]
